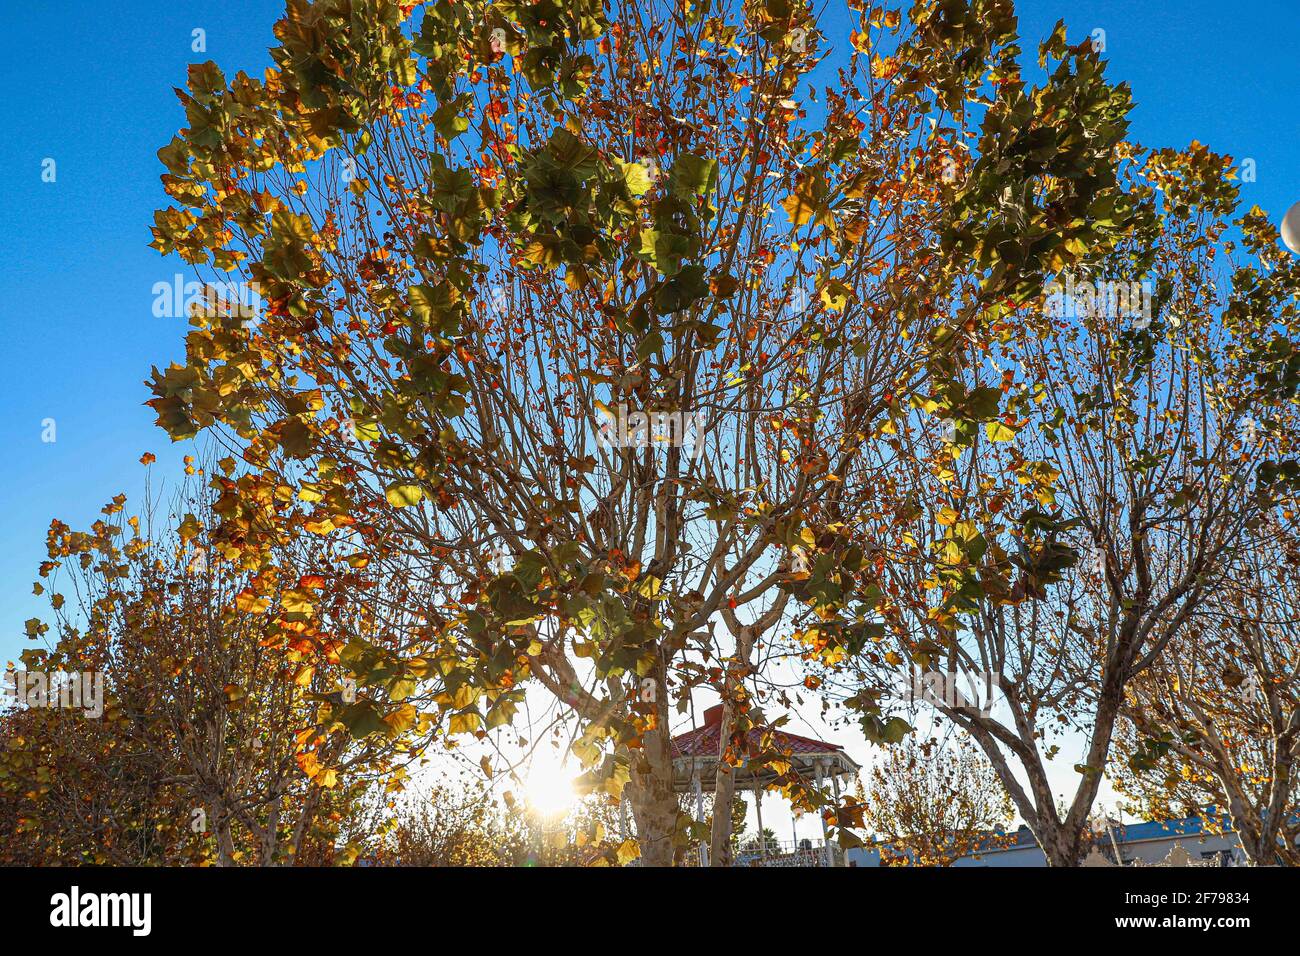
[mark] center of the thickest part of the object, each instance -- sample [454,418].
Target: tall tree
[610,295]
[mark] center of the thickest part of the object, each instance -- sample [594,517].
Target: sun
[549,787]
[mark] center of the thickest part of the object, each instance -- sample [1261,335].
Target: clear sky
[89,85]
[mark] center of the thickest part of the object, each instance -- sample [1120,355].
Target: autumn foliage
[487,233]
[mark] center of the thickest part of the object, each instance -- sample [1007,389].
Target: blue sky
[90,87]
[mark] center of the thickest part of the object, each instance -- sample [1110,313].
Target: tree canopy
[606,347]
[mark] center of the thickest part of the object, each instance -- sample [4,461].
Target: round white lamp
[1291,228]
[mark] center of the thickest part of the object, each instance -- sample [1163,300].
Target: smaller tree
[1054,554]
[1216,724]
[228,646]
[75,791]
[445,826]
[934,802]
[765,841]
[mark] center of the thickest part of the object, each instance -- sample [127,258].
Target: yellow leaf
[627,851]
[402,495]
[189,528]
[835,296]
[999,431]
[464,723]
[401,719]
[806,199]
[297,602]
[250,603]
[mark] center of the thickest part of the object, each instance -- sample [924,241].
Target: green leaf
[983,402]
[896,728]
[722,511]
[569,152]
[651,344]
[507,598]
[295,438]
[361,719]
[693,175]
[681,291]
[447,119]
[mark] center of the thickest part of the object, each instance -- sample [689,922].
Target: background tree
[227,716]
[1213,725]
[762,842]
[447,825]
[484,236]
[75,791]
[933,802]
[1056,552]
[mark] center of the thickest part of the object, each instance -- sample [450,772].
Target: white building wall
[1145,852]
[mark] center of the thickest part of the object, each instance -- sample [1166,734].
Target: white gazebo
[695,764]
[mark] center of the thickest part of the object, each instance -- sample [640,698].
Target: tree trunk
[305,816]
[654,808]
[1069,840]
[1063,842]
[270,834]
[225,837]
[1256,850]
[1063,847]
[650,789]
[723,794]
[725,779]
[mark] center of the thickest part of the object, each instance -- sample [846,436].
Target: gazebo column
[835,785]
[826,843]
[699,814]
[758,809]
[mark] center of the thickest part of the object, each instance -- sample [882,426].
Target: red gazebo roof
[704,741]
[701,745]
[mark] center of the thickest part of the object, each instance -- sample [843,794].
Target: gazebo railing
[775,853]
